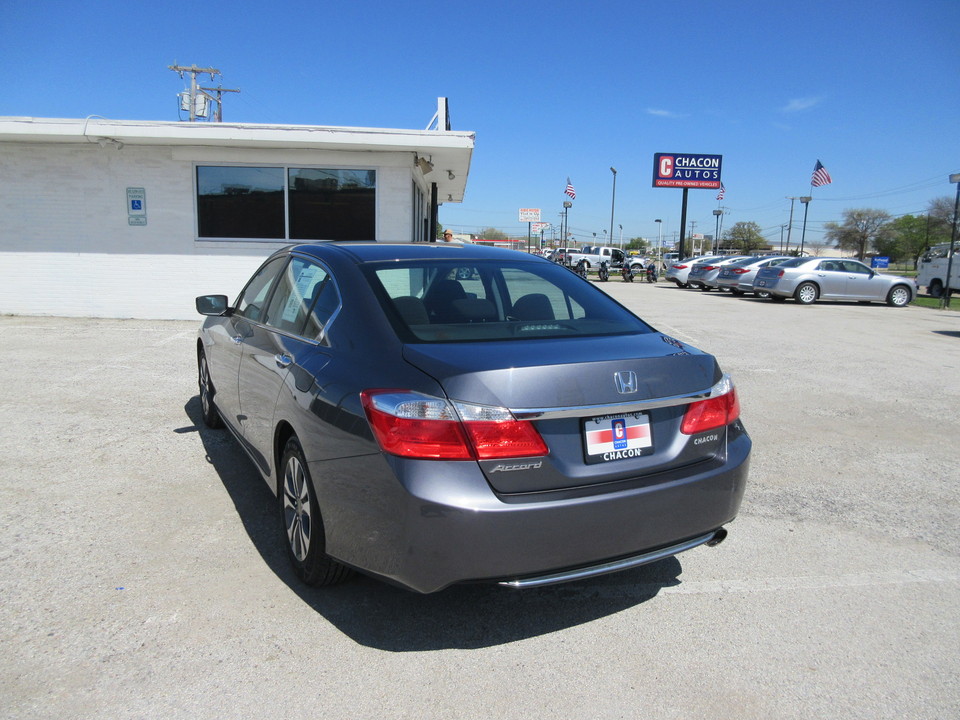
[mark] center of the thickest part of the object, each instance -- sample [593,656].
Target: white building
[133,219]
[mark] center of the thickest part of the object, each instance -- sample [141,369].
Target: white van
[932,273]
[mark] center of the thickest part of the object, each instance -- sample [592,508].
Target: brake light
[707,268]
[780,274]
[414,425]
[714,412]
[740,271]
[679,267]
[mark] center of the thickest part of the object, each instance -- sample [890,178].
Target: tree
[746,237]
[909,238]
[940,211]
[860,229]
[491,233]
[638,244]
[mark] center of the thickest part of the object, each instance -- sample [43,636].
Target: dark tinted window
[236,202]
[240,202]
[332,204]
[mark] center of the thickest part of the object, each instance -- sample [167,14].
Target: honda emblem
[626,381]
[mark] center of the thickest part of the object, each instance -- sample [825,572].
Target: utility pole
[218,116]
[790,227]
[196,91]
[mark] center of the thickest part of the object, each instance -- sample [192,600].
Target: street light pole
[945,298]
[716,238]
[806,206]
[613,201]
[659,223]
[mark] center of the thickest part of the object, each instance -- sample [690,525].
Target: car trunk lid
[574,398]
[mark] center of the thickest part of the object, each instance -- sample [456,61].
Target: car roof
[373,251]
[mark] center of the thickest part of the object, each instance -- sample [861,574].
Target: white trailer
[932,273]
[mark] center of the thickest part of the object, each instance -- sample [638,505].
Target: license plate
[616,437]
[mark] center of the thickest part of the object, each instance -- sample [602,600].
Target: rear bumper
[425,531]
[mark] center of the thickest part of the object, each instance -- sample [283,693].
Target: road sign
[686,170]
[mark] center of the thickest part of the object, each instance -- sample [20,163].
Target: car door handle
[282,361]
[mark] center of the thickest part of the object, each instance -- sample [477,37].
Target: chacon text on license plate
[617,437]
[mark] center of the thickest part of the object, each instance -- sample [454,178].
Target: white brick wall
[66,247]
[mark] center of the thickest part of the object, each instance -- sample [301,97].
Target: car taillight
[717,411]
[414,425]
[679,267]
[740,271]
[780,274]
[707,268]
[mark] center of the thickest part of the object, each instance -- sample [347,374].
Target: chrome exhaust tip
[718,537]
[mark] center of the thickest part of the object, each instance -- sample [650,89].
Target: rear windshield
[796,262]
[434,301]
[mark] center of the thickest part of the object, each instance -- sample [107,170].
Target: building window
[278,203]
[332,204]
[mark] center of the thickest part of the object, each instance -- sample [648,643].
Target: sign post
[686,170]
[529,215]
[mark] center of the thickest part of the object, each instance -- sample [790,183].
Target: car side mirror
[212,304]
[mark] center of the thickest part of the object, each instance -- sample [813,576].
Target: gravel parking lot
[143,576]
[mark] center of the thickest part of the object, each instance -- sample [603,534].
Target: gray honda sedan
[439,413]
[808,279]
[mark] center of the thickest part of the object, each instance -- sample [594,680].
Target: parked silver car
[810,279]
[704,275]
[679,271]
[738,277]
[438,413]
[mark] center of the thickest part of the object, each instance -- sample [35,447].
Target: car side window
[830,265]
[299,289]
[855,267]
[326,302]
[252,299]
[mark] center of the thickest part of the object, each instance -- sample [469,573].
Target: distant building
[117,218]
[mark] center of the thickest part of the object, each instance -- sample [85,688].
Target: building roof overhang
[448,152]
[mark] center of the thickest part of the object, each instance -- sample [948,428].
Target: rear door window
[305,299]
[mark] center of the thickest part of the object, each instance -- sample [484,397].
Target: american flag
[570,191]
[820,176]
[722,191]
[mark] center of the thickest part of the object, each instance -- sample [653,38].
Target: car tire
[763,294]
[806,293]
[899,296]
[735,292]
[935,289]
[776,298]
[208,407]
[302,523]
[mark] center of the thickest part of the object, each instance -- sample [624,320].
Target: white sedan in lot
[808,279]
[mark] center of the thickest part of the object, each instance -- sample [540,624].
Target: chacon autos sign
[685,170]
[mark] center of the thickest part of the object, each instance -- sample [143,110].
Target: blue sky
[552,89]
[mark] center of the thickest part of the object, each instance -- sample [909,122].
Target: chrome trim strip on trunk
[722,387]
[604,568]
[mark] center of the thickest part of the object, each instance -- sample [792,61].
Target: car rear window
[435,301]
